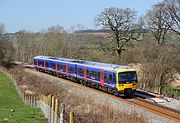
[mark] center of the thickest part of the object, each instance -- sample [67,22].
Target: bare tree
[156,24]
[122,24]
[6,48]
[56,40]
[2,29]
[23,43]
[56,29]
[172,14]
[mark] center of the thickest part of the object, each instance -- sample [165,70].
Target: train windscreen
[127,77]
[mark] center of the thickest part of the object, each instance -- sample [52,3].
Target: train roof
[89,63]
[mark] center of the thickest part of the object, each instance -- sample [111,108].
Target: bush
[171,91]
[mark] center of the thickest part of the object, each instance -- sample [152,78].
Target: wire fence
[49,104]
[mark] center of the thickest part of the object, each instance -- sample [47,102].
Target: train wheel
[116,93]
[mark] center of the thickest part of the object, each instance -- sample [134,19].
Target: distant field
[9,100]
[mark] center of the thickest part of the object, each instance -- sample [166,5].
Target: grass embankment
[12,108]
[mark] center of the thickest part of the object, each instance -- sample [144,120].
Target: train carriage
[116,79]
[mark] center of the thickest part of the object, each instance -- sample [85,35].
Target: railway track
[139,102]
[156,108]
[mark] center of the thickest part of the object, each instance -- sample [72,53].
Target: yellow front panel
[124,86]
[121,87]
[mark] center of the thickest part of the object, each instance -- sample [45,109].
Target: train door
[76,70]
[66,69]
[36,63]
[102,77]
[57,68]
[108,77]
[85,72]
[44,65]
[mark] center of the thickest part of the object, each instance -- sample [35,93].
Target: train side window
[110,77]
[79,70]
[47,65]
[92,73]
[63,67]
[40,63]
[54,65]
[82,71]
[98,74]
[105,76]
[70,68]
[57,66]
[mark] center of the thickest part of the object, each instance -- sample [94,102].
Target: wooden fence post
[28,99]
[56,110]
[34,103]
[62,114]
[25,99]
[52,109]
[71,117]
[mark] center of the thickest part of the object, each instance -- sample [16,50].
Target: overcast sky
[35,15]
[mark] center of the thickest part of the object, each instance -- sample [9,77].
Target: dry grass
[85,110]
[88,111]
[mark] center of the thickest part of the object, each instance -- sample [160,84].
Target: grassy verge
[12,108]
[171,91]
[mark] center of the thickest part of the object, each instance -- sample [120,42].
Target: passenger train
[116,79]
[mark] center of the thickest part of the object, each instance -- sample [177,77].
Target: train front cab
[126,82]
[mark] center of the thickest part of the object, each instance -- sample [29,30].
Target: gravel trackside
[97,97]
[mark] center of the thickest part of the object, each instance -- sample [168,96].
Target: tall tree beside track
[24,42]
[155,23]
[163,19]
[6,48]
[122,24]
[55,38]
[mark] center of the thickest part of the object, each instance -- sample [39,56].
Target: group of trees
[162,19]
[53,41]
[159,57]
